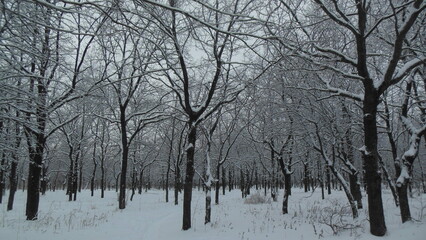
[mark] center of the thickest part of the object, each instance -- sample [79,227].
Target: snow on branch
[338,91]
[410,155]
[342,21]
[404,70]
[343,57]
[364,151]
[390,77]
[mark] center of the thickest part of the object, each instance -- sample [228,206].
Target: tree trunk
[44,180]
[273,192]
[13,181]
[230,180]
[117,182]
[256,178]
[34,171]
[217,185]
[242,187]
[2,178]
[80,173]
[124,159]
[102,177]
[75,176]
[223,180]
[328,175]
[187,189]
[177,184]
[133,182]
[305,177]
[403,201]
[321,179]
[92,179]
[287,187]
[371,160]
[208,204]
[355,188]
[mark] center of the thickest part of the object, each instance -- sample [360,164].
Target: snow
[149,217]
[364,151]
[189,147]
[404,175]
[407,66]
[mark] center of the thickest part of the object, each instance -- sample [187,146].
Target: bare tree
[198,98]
[356,62]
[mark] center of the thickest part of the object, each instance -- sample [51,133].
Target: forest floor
[149,217]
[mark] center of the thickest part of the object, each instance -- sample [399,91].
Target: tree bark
[177,184]
[287,187]
[33,189]
[187,188]
[2,178]
[404,204]
[13,182]
[124,159]
[371,160]
[217,185]
[328,175]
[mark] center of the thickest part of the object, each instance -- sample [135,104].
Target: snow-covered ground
[149,217]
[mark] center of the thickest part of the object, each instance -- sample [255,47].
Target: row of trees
[104,91]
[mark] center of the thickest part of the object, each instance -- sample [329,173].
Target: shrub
[256,198]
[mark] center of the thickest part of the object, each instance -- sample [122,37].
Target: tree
[197,97]
[406,163]
[34,51]
[355,60]
[127,68]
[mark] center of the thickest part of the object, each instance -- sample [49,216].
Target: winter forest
[212,119]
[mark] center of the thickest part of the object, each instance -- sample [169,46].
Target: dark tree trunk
[70,173]
[187,188]
[140,187]
[223,180]
[328,175]
[134,180]
[102,177]
[403,201]
[256,178]
[306,177]
[92,179]
[287,187]
[371,160]
[321,179]
[169,159]
[287,181]
[95,164]
[290,162]
[34,172]
[355,188]
[2,178]
[13,181]
[242,187]
[273,189]
[44,180]
[347,151]
[217,185]
[124,159]
[75,176]
[80,173]
[167,182]
[13,178]
[230,181]
[177,184]
[394,151]
[117,182]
